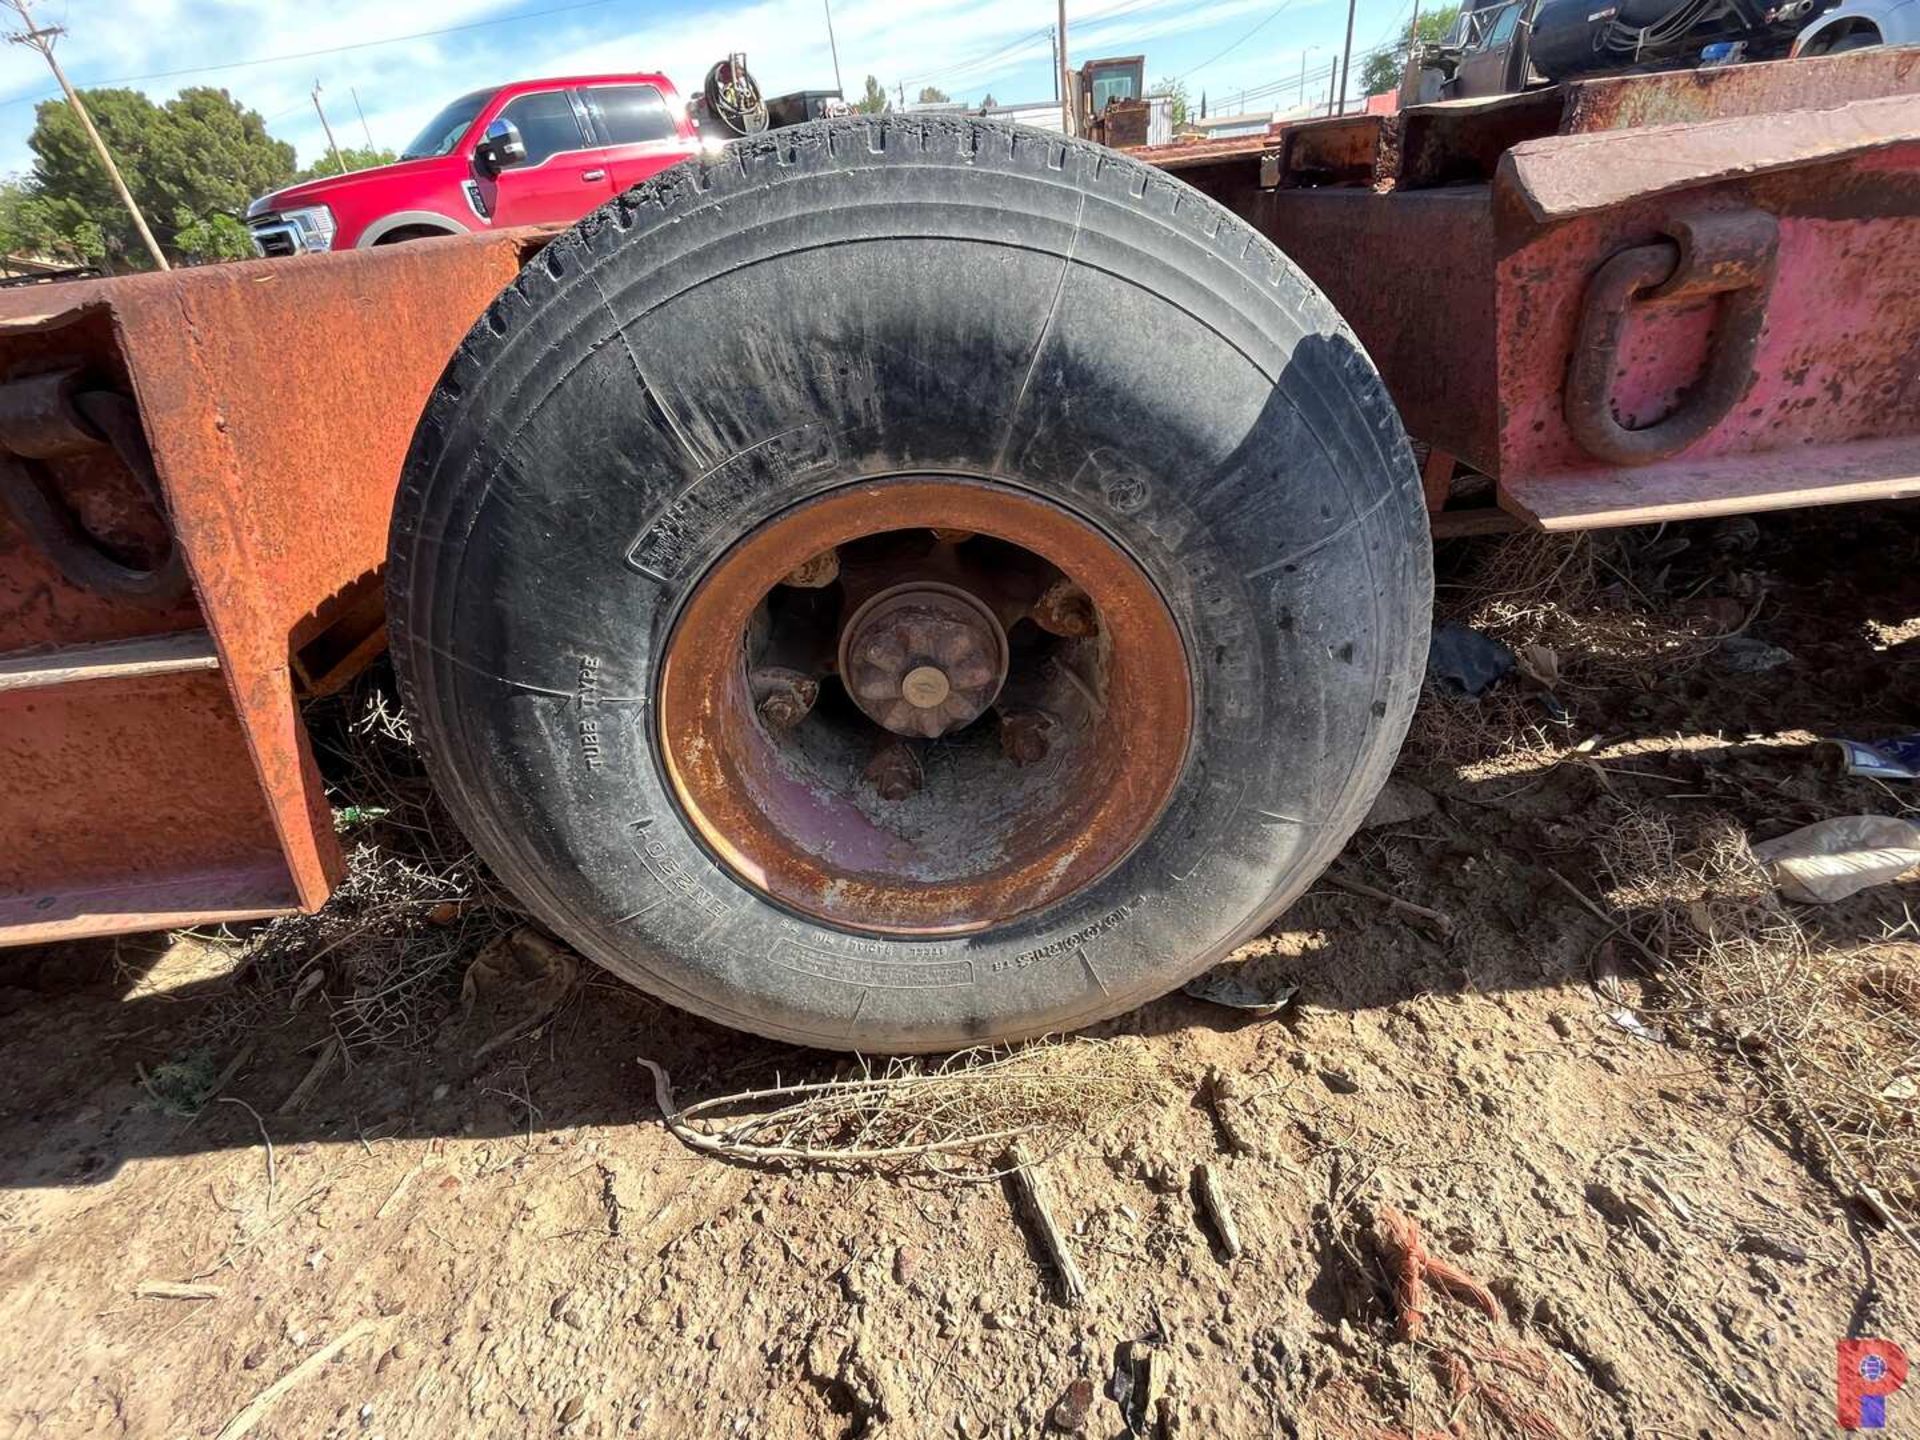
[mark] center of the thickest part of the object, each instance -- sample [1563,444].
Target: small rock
[255,1358]
[560,1304]
[1560,1025]
[366,1416]
[906,1264]
[440,1092]
[1069,1412]
[1397,803]
[1754,1243]
[571,1409]
[1339,1082]
[573,1318]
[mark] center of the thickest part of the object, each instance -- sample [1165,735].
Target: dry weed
[909,1113]
[1602,611]
[385,956]
[1831,1031]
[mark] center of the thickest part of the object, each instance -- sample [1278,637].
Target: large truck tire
[909,582]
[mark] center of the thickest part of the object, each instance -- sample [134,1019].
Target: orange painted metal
[278,399]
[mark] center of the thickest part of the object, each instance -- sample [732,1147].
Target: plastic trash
[1745,655]
[1465,662]
[1217,988]
[1835,858]
[1894,759]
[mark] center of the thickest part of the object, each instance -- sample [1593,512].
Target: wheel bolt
[782,696]
[1065,609]
[1026,735]
[894,771]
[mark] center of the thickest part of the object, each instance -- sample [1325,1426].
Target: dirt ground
[512,1243]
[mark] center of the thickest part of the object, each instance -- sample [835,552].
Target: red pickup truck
[532,152]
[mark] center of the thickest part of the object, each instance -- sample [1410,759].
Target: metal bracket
[1730,254]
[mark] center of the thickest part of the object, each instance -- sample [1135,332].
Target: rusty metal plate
[278,398]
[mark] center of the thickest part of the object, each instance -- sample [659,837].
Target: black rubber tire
[854,298]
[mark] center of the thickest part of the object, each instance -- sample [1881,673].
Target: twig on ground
[176,1290]
[322,1063]
[265,1139]
[256,1408]
[1440,920]
[1033,1204]
[1213,1200]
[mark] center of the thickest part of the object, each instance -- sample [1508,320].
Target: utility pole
[1407,71]
[1302,98]
[41,38]
[1346,57]
[1066,77]
[1053,39]
[901,89]
[328,128]
[831,45]
[364,130]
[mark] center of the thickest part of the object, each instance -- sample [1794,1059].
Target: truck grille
[275,238]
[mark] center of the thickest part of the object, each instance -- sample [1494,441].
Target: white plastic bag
[1835,858]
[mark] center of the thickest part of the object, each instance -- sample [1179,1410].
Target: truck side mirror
[500,147]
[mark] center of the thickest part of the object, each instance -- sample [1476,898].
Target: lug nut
[894,771]
[1026,735]
[1065,609]
[783,697]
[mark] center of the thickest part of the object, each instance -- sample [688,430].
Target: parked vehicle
[1859,24]
[534,152]
[1498,47]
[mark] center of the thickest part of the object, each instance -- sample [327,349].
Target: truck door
[1484,68]
[564,174]
[641,134]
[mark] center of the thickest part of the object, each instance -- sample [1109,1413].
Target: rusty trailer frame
[1622,300]
[1631,299]
[172,586]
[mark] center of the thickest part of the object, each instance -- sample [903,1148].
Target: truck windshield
[443,132]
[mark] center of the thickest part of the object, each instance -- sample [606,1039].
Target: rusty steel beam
[156,769]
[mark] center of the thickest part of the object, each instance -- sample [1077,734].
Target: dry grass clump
[910,1113]
[1586,613]
[1831,1032]
[385,956]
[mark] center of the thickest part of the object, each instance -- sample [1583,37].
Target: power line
[1272,15]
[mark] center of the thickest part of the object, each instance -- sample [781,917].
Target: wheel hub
[923,706]
[923,659]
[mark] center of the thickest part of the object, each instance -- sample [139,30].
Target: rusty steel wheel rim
[1023,709]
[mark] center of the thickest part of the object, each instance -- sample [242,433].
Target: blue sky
[269,53]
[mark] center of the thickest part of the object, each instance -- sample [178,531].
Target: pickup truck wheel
[907,583]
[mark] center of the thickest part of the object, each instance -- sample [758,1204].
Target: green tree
[355,157]
[205,239]
[989,102]
[30,228]
[874,101]
[1385,67]
[1177,89]
[199,155]
[933,95]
